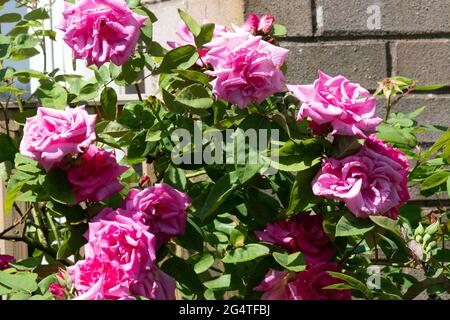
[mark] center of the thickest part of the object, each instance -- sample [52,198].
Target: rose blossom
[187,38]
[57,290]
[120,261]
[52,134]
[253,24]
[162,208]
[309,284]
[247,68]
[101,30]
[114,235]
[347,106]
[302,233]
[274,286]
[371,182]
[99,279]
[94,176]
[5,260]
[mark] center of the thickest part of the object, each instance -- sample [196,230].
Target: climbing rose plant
[104,200]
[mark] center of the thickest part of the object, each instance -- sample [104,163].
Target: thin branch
[418,287]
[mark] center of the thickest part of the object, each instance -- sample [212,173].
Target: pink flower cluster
[371,182]
[162,208]
[55,137]
[246,68]
[374,180]
[100,31]
[346,106]
[120,258]
[305,285]
[303,233]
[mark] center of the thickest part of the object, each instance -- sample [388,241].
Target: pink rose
[155,285]
[247,69]
[253,24]
[274,286]
[57,290]
[53,134]
[101,30]
[302,233]
[187,38]
[120,261]
[94,175]
[114,235]
[371,182]
[309,284]
[348,107]
[5,260]
[99,279]
[162,208]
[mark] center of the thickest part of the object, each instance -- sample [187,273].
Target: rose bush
[155,199]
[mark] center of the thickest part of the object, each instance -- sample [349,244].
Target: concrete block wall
[364,40]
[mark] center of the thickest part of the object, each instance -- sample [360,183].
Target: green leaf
[354,283]
[397,136]
[205,35]
[261,206]
[58,187]
[222,282]
[192,25]
[37,14]
[10,17]
[23,54]
[295,262]
[73,242]
[20,296]
[28,264]
[51,95]
[297,155]
[29,73]
[344,146]
[20,281]
[73,214]
[195,96]
[179,58]
[25,41]
[279,30]
[301,194]
[349,225]
[386,223]
[204,263]
[14,186]
[171,104]
[192,238]
[133,3]
[183,273]
[246,253]
[237,238]
[193,76]
[430,87]
[175,177]
[224,187]
[108,101]
[435,180]
[7,147]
